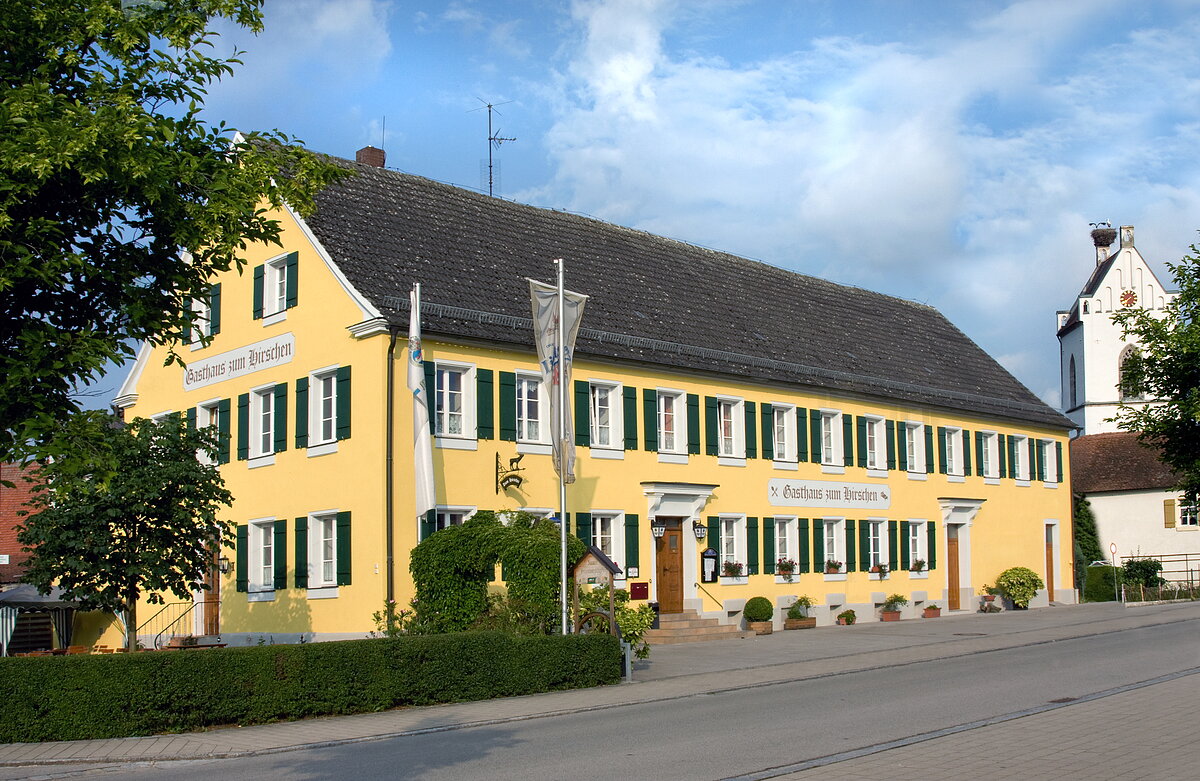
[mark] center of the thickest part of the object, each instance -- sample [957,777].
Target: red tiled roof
[1116,462]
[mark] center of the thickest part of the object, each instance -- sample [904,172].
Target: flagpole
[562,451]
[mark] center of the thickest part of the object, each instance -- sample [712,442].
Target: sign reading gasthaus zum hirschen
[822,493]
[275,351]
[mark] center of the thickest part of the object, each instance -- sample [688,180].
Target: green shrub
[758,609]
[895,602]
[848,615]
[1019,585]
[632,621]
[1100,584]
[1143,572]
[799,608]
[86,697]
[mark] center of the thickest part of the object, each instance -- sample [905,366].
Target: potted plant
[846,617]
[731,569]
[758,613]
[880,569]
[1019,585]
[832,566]
[891,608]
[917,566]
[932,611]
[989,597]
[786,568]
[797,615]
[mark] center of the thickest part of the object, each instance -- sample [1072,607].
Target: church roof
[651,299]
[1116,461]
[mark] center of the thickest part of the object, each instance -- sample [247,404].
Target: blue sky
[947,152]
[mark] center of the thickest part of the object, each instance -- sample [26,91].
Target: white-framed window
[785,536]
[454,400]
[322,550]
[733,541]
[672,425]
[1187,513]
[201,325]
[1021,456]
[608,534]
[954,451]
[1049,460]
[262,422]
[731,428]
[917,543]
[275,286]
[876,443]
[783,426]
[914,446]
[835,541]
[322,407]
[877,542]
[452,516]
[606,418]
[532,426]
[831,438]
[989,453]
[262,555]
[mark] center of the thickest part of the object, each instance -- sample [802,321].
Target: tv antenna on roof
[494,137]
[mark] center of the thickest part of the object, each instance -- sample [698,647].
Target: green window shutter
[190,418]
[966,447]
[292,269]
[905,563]
[430,368]
[243,435]
[1058,450]
[214,308]
[931,529]
[805,555]
[851,562]
[650,419]
[1032,460]
[281,415]
[848,439]
[902,446]
[768,432]
[632,557]
[302,412]
[508,407]
[1041,461]
[485,421]
[342,378]
[242,554]
[428,523]
[752,545]
[801,434]
[714,532]
[223,431]
[583,527]
[343,549]
[815,421]
[750,410]
[862,441]
[629,397]
[257,312]
[301,527]
[818,540]
[583,413]
[889,434]
[1012,456]
[693,423]
[864,545]
[979,453]
[893,546]
[710,425]
[941,449]
[929,448]
[280,552]
[768,547]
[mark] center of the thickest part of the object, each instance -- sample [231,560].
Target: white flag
[546,333]
[422,448]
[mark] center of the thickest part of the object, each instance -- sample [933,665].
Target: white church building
[1131,492]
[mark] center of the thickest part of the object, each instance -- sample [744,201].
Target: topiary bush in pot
[1019,585]
[758,613]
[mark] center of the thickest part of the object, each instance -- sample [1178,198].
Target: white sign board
[824,493]
[266,354]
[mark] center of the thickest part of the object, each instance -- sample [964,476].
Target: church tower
[1091,348]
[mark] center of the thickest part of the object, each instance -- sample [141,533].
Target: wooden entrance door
[953,598]
[210,601]
[1050,562]
[669,565]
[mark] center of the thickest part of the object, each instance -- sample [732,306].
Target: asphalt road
[717,736]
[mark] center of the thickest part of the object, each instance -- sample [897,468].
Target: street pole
[562,456]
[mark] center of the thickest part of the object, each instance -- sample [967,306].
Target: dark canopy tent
[26,599]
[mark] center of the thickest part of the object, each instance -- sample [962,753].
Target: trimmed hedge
[83,697]
[1099,584]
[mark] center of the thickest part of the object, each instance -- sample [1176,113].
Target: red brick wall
[12,500]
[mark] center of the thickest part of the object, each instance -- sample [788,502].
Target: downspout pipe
[389,478]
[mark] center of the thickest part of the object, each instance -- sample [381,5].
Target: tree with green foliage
[151,527]
[1166,368]
[1087,539]
[118,203]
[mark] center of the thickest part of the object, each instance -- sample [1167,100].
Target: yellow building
[763,414]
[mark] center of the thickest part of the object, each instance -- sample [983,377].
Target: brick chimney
[370,155]
[1103,236]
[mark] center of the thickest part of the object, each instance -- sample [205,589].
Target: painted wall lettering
[821,493]
[275,351]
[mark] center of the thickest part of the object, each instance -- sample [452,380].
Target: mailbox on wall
[640,590]
[709,560]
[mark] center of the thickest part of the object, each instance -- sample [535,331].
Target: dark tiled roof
[652,299]
[1088,291]
[1116,462]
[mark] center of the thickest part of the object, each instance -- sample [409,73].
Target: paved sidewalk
[673,672]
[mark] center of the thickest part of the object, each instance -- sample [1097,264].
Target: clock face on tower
[1128,298]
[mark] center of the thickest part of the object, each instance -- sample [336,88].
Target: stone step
[689,627]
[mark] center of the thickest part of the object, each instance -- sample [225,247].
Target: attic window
[759,336]
[1085,307]
[641,315]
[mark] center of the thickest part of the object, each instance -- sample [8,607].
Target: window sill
[323,592]
[272,319]
[831,469]
[922,575]
[535,448]
[323,449]
[918,476]
[738,581]
[1188,528]
[261,596]
[1022,483]
[256,461]
[455,443]
[730,461]
[991,481]
[955,479]
[1050,485]
[837,576]
[882,473]
[790,466]
[194,346]
[672,458]
[876,576]
[611,454]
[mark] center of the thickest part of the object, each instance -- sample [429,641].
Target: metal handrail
[158,638]
[162,610]
[710,596]
[1181,568]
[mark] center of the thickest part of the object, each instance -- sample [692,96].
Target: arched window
[1127,381]
[1073,388]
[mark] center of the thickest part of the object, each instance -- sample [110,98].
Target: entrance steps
[689,627]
